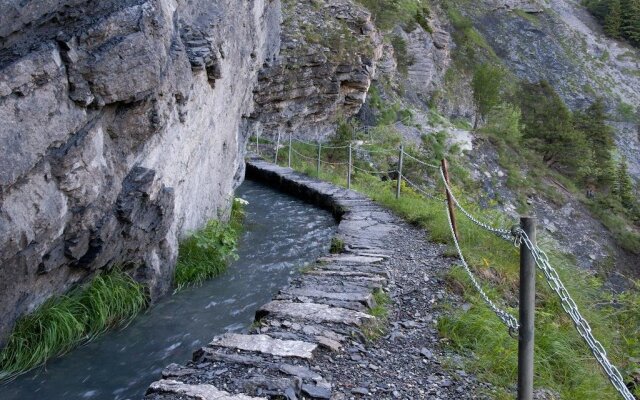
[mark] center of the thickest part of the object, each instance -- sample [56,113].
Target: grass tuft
[62,323]
[337,245]
[206,253]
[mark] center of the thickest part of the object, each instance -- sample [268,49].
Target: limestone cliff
[328,58]
[121,131]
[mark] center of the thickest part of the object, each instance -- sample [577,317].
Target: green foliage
[623,187]
[486,84]
[403,59]
[205,254]
[591,123]
[62,323]
[337,245]
[548,128]
[376,328]
[504,121]
[621,18]
[389,13]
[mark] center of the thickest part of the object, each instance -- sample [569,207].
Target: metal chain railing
[505,317]
[516,235]
[571,308]
[500,232]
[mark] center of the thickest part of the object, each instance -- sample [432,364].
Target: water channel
[281,235]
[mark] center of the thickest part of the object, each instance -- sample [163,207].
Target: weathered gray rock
[327,60]
[199,392]
[121,132]
[266,344]
[317,313]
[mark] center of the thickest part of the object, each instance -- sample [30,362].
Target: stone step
[197,392]
[360,297]
[351,259]
[266,345]
[372,269]
[317,313]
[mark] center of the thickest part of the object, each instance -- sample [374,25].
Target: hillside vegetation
[538,139]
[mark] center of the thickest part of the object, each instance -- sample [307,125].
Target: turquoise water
[281,235]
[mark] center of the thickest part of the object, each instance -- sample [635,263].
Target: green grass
[337,245]
[376,329]
[62,323]
[206,253]
[563,362]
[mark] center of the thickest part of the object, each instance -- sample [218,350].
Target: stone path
[311,341]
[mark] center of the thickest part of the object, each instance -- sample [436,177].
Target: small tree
[487,82]
[623,186]
[613,20]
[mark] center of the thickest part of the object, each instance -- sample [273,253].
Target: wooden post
[275,161]
[290,150]
[400,161]
[527,311]
[452,209]
[349,169]
[318,166]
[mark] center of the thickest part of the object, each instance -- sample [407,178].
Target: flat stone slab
[360,297]
[266,344]
[318,313]
[347,258]
[199,392]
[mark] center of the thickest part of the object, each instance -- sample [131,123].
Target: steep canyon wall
[121,131]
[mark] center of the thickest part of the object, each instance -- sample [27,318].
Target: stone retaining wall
[320,312]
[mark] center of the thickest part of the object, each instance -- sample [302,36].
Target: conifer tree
[630,26]
[624,185]
[599,135]
[613,19]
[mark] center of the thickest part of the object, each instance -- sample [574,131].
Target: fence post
[349,169]
[400,162]
[452,210]
[290,150]
[527,311]
[257,143]
[318,166]
[275,161]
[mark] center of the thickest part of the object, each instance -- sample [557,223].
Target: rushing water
[281,234]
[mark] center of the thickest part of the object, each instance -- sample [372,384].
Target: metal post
[349,169]
[318,166]
[452,209]
[257,143]
[289,150]
[400,161]
[275,161]
[527,311]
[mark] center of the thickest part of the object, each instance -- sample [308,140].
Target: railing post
[349,169]
[275,161]
[318,166]
[400,162]
[527,311]
[290,150]
[452,209]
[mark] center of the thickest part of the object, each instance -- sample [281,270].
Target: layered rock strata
[121,131]
[327,61]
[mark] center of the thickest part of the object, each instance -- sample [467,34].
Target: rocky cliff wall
[121,131]
[327,60]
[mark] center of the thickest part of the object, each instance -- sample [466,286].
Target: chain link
[505,234]
[420,161]
[505,317]
[571,308]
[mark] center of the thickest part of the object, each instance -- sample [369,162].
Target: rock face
[328,58]
[121,131]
